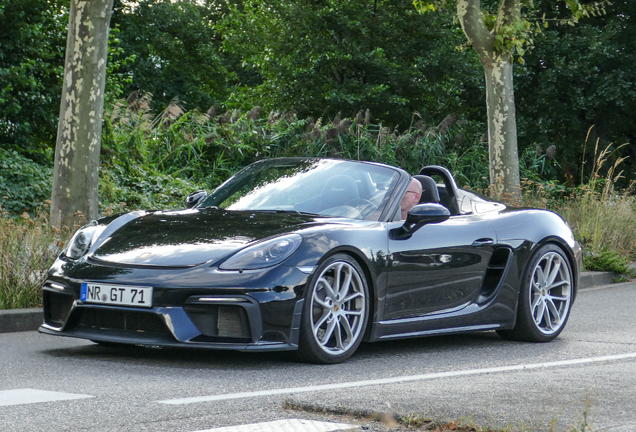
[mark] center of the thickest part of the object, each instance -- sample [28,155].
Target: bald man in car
[411,197]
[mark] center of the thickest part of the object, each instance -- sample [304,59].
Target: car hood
[188,238]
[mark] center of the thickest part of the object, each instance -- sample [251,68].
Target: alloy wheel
[338,308]
[550,293]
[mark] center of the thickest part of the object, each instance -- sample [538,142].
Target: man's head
[411,197]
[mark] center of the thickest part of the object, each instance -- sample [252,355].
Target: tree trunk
[502,123]
[76,172]
[502,131]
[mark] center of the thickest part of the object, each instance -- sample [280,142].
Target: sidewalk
[17,320]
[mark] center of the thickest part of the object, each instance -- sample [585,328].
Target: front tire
[335,313]
[545,297]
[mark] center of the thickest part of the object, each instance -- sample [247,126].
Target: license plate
[119,295]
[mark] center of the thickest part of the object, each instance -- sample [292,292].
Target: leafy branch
[517,36]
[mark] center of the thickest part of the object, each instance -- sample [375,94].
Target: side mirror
[195,198]
[420,215]
[423,214]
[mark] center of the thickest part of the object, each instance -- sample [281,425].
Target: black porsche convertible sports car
[312,255]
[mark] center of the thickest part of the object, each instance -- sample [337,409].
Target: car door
[440,268]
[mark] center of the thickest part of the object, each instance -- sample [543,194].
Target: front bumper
[257,316]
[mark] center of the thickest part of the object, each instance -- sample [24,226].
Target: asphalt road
[590,368]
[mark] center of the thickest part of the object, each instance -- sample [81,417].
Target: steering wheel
[364,206]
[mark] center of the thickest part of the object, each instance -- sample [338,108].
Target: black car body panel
[462,274]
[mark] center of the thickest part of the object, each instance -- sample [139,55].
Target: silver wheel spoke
[355,313]
[338,332]
[552,309]
[336,280]
[540,276]
[558,284]
[344,289]
[351,297]
[321,321]
[322,303]
[331,325]
[346,327]
[535,301]
[548,320]
[555,271]
[328,288]
[547,267]
[558,298]
[539,311]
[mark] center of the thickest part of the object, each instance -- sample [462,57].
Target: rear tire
[335,312]
[545,297]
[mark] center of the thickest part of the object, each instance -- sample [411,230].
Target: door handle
[483,242]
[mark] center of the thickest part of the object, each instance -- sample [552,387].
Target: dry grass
[28,247]
[603,222]
[601,216]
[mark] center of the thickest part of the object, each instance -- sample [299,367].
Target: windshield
[318,186]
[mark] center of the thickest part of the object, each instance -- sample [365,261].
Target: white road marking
[395,380]
[622,428]
[29,396]
[292,425]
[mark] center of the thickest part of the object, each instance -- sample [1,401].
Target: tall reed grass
[207,148]
[28,247]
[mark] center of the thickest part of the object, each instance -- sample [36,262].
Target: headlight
[265,254]
[81,241]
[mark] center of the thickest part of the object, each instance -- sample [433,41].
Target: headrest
[429,189]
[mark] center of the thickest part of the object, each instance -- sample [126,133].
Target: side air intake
[494,273]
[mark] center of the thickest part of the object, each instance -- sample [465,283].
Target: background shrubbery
[24,185]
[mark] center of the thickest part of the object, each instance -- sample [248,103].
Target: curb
[591,279]
[18,320]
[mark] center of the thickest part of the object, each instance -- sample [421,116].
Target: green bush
[24,185]
[606,260]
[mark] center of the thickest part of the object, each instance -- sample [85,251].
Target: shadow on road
[202,358]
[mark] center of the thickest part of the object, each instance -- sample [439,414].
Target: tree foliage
[577,77]
[321,58]
[32,44]
[177,50]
